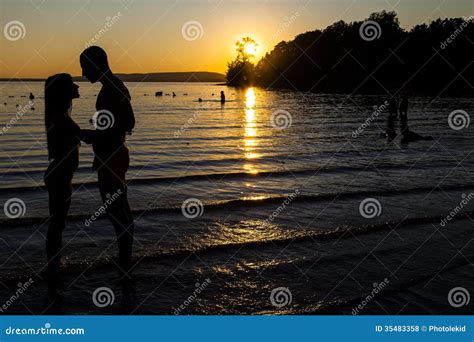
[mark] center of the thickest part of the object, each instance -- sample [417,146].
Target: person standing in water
[403,112]
[407,134]
[392,116]
[222,97]
[111,153]
[63,137]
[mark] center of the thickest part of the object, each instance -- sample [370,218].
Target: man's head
[94,63]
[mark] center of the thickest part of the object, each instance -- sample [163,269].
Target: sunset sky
[146,35]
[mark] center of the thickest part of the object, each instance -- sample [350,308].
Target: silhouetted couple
[111,159]
[393,111]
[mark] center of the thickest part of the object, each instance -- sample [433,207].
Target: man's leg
[113,191]
[118,211]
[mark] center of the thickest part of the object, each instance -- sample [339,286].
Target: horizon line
[4,79]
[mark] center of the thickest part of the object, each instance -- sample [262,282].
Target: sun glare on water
[250,136]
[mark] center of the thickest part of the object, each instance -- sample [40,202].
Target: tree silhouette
[431,58]
[241,72]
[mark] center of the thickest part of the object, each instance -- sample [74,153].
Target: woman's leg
[59,201]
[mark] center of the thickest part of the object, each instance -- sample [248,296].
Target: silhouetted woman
[63,137]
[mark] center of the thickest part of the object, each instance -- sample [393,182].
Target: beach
[276,222]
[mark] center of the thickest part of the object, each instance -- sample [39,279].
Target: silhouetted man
[113,120]
[403,112]
[392,116]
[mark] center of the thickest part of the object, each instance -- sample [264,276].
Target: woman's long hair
[57,100]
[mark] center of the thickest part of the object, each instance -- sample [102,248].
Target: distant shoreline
[198,76]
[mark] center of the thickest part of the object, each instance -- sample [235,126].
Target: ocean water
[284,203]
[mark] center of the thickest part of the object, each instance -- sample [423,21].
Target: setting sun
[251,49]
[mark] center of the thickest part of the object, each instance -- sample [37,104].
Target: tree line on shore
[371,56]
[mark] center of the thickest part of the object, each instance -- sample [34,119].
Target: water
[280,207]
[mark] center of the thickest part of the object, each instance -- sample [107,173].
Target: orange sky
[147,36]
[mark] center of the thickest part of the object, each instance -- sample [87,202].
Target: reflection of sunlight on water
[250,169]
[251,155]
[244,231]
[250,98]
[250,143]
[255,198]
